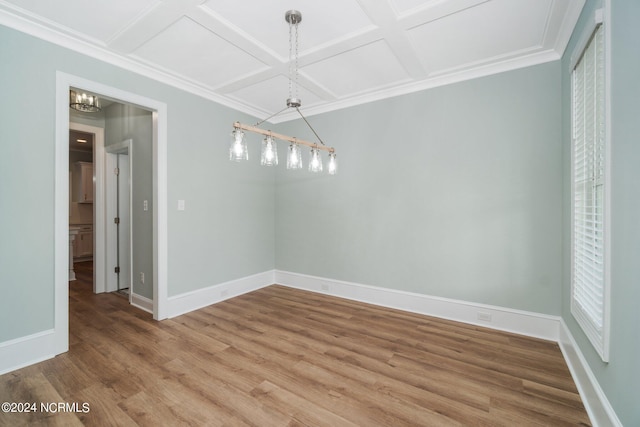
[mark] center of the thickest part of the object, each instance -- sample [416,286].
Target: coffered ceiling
[236,52]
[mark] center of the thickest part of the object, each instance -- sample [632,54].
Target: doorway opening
[123,237]
[157,113]
[84,142]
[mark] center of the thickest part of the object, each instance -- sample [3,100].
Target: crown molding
[20,20]
[12,18]
[568,25]
[427,83]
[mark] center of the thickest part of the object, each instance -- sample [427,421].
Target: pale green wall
[225,233]
[620,378]
[26,190]
[453,192]
[124,122]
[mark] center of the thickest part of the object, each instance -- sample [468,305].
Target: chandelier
[83,102]
[269,154]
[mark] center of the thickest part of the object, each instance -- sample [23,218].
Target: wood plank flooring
[285,357]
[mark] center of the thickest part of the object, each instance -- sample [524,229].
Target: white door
[124,226]
[118,214]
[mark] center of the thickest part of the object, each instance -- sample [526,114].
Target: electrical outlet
[141,277]
[484,316]
[224,293]
[324,287]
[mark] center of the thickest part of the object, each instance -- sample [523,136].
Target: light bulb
[294,157]
[238,148]
[269,152]
[332,167]
[315,163]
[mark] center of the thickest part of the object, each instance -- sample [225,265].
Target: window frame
[600,341]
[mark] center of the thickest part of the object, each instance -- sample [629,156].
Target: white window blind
[588,303]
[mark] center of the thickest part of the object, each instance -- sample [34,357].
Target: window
[589,279]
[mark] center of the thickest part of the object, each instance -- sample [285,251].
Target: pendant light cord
[290,60]
[295,85]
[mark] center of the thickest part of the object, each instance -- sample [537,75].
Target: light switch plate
[181,205]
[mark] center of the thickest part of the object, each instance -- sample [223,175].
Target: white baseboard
[143,303]
[598,407]
[25,351]
[500,318]
[190,301]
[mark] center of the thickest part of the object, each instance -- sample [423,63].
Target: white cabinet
[73,232]
[82,178]
[83,243]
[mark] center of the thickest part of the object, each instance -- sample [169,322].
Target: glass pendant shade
[315,163]
[332,167]
[238,148]
[294,157]
[269,152]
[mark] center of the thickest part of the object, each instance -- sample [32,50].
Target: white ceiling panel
[97,19]
[195,52]
[236,52]
[403,6]
[271,95]
[265,20]
[492,29]
[370,66]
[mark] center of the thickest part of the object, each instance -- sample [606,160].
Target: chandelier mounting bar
[292,139]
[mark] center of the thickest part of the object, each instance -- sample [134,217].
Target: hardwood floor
[284,357]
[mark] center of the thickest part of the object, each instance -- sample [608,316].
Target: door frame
[110,195]
[99,272]
[64,82]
